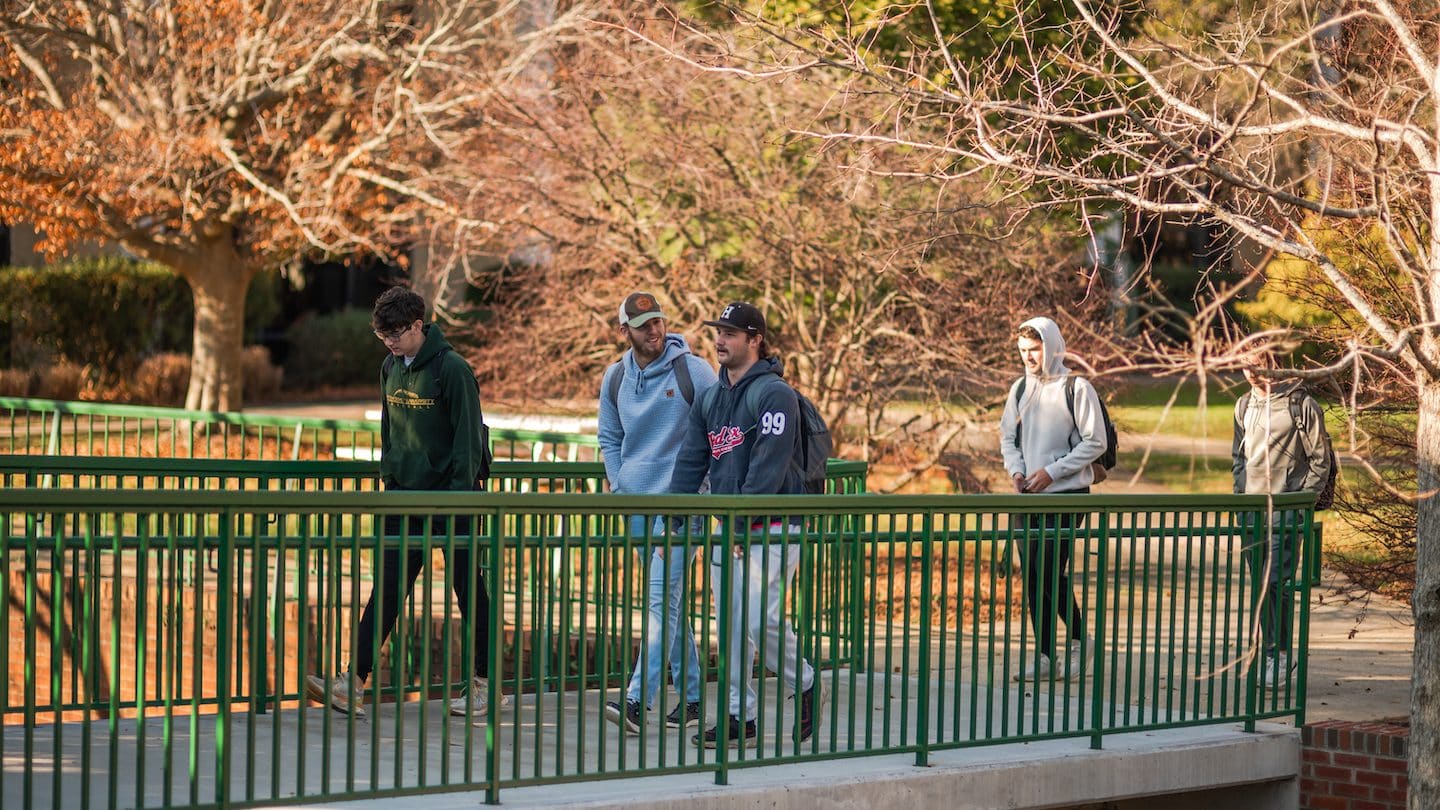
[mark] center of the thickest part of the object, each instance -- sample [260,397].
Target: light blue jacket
[641,431]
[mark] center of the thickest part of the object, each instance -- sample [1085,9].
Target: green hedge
[338,349]
[107,312]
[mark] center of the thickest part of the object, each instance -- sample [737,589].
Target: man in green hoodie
[430,439]
[1280,445]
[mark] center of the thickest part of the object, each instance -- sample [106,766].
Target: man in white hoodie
[645,401]
[1051,433]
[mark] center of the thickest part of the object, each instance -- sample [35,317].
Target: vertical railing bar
[922,719]
[723,608]
[1177,536]
[224,584]
[142,555]
[57,612]
[1097,692]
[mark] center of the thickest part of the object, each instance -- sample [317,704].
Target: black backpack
[816,445]
[1108,458]
[683,381]
[1325,498]
[486,456]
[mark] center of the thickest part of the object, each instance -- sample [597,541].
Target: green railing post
[495,566]
[1097,694]
[1258,547]
[922,721]
[859,642]
[722,700]
[224,582]
[1308,578]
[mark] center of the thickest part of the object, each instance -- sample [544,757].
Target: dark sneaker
[737,738]
[631,717]
[683,715]
[810,701]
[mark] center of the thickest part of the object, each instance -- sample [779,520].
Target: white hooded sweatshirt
[1049,437]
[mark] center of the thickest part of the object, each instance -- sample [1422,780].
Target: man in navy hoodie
[745,433]
[645,403]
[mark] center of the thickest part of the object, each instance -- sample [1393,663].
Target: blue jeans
[667,632]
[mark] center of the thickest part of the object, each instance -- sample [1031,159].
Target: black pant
[389,573]
[1277,609]
[1046,556]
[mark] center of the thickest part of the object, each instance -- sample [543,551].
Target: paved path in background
[1360,651]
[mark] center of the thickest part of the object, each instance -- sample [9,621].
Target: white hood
[1053,359]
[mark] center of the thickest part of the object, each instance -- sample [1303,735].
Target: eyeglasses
[393,334]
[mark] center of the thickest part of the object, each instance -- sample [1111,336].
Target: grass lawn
[1210,475]
[1175,410]
[1147,408]
[1197,475]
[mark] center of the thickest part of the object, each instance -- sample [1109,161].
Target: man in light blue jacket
[645,401]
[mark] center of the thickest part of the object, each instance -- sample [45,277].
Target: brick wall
[1354,766]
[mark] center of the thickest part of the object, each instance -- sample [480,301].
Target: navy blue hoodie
[745,440]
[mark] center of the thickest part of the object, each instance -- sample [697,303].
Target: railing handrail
[181,414]
[444,502]
[51,464]
[241,419]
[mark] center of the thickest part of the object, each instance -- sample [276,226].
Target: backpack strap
[1019,387]
[612,387]
[1297,406]
[1070,404]
[754,390]
[683,381]
[707,402]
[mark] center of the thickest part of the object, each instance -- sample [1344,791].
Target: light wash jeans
[757,602]
[667,631]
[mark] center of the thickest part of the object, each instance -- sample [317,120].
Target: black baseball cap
[743,316]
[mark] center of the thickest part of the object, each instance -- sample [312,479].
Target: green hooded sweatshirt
[429,434]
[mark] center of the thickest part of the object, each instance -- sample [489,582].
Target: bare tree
[222,139]
[644,172]
[1304,128]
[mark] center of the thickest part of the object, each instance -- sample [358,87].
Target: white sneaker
[339,697]
[1080,655]
[1277,670]
[475,699]
[1039,669]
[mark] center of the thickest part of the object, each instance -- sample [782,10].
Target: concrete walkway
[313,751]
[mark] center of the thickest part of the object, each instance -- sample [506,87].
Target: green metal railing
[148,678]
[212,475]
[50,427]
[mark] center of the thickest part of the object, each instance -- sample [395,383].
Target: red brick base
[1354,766]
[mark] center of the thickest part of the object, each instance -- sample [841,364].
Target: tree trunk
[218,280]
[1425,676]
